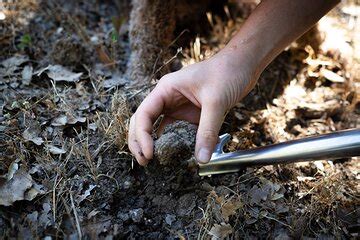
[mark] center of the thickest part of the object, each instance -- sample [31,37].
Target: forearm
[272,26]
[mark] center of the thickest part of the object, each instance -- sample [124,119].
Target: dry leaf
[26,74]
[14,190]
[34,192]
[276,196]
[10,65]
[74,120]
[63,120]
[59,121]
[14,61]
[114,81]
[55,150]
[12,170]
[331,76]
[103,56]
[59,73]
[31,134]
[220,231]
[257,195]
[230,207]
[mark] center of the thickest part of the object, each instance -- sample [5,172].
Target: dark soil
[66,167]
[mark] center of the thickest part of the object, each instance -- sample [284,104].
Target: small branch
[78,228]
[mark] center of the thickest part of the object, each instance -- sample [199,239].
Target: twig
[78,228]
[278,221]
[179,50]
[54,198]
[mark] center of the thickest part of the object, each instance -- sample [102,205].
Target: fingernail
[203,155]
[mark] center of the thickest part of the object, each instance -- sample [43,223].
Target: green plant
[25,41]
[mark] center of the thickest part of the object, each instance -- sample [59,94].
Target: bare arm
[272,26]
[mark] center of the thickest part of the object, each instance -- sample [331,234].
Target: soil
[65,168]
[176,142]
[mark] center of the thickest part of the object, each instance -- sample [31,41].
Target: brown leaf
[220,231]
[230,208]
[103,56]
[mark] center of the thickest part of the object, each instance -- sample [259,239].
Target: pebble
[169,219]
[136,214]
[127,184]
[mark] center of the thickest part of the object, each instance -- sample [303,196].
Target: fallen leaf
[92,126]
[14,61]
[331,76]
[46,219]
[55,150]
[220,231]
[250,221]
[276,196]
[103,56]
[230,207]
[257,195]
[63,120]
[14,190]
[74,120]
[351,9]
[32,218]
[10,65]
[26,74]
[59,121]
[31,134]
[319,165]
[33,192]
[59,73]
[114,81]
[12,170]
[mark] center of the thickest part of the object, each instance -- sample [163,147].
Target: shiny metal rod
[322,147]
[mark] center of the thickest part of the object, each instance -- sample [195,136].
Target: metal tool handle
[328,146]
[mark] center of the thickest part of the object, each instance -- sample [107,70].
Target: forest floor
[66,171]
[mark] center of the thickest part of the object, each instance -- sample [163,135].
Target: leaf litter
[59,73]
[66,169]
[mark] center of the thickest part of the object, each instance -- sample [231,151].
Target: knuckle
[209,135]
[165,79]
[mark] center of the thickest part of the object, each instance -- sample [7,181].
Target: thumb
[207,136]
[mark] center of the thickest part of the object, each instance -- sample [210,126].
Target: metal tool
[322,147]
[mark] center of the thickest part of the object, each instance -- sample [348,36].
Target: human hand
[201,93]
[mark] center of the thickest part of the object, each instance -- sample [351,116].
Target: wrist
[241,63]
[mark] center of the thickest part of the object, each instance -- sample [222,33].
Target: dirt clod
[177,142]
